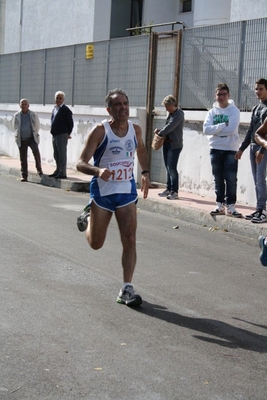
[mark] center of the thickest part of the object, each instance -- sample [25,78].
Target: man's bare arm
[260,134]
[94,139]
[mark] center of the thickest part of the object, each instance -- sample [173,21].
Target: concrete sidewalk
[190,207]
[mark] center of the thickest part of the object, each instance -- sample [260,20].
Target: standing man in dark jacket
[258,155]
[61,128]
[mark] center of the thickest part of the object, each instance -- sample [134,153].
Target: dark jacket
[63,122]
[259,113]
[173,130]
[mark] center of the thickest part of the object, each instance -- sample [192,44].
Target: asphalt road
[200,334]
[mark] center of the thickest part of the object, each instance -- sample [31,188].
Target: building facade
[25,26]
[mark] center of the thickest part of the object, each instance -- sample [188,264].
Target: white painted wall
[101,21]
[85,118]
[194,163]
[31,24]
[51,23]
[207,12]
[242,10]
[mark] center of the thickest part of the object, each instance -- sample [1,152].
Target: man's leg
[218,173]
[230,173]
[252,152]
[259,176]
[97,226]
[61,144]
[55,153]
[36,153]
[127,222]
[165,159]
[23,153]
[172,161]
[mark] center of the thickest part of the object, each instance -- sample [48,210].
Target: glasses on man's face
[59,98]
[222,94]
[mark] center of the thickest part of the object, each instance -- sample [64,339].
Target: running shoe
[82,220]
[263,254]
[129,297]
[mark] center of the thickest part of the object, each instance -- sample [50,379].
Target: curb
[65,184]
[238,226]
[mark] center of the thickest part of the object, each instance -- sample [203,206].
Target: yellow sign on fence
[89,53]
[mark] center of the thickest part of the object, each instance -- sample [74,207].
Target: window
[125,14]
[186,5]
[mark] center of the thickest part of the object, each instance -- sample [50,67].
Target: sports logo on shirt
[116,149]
[129,146]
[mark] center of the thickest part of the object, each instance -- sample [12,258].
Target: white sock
[126,284]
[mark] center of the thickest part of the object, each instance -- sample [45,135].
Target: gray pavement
[199,335]
[190,207]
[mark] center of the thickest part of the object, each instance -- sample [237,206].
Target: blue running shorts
[113,201]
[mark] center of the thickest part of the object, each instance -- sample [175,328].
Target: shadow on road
[219,332]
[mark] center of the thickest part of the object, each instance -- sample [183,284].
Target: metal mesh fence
[90,76]
[32,76]
[234,53]
[128,67]
[210,56]
[165,72]
[37,75]
[59,73]
[254,64]
[9,78]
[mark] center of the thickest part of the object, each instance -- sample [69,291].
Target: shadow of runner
[225,335]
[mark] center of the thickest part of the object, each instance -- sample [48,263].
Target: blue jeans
[224,170]
[259,176]
[171,157]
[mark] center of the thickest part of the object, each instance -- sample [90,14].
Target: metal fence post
[152,64]
[241,62]
[44,82]
[73,76]
[176,88]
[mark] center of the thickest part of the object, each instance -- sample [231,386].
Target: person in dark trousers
[221,127]
[260,138]
[258,156]
[26,125]
[61,128]
[172,147]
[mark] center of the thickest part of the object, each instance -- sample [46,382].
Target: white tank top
[117,154]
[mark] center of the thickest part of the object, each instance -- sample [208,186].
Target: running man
[112,144]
